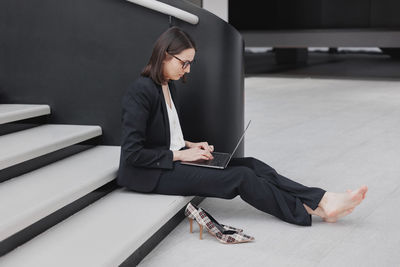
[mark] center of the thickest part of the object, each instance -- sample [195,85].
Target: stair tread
[31,143]
[103,234]
[16,112]
[30,197]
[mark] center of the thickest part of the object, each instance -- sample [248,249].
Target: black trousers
[257,183]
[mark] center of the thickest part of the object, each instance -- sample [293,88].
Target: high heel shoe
[216,229]
[222,235]
[192,210]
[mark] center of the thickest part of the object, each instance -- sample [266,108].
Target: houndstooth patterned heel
[223,233]
[192,210]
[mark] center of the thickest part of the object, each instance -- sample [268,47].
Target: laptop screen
[240,140]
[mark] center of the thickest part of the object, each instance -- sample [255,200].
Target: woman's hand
[202,145]
[192,154]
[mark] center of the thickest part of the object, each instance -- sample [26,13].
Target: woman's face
[175,66]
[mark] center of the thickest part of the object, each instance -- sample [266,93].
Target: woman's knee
[246,177]
[236,176]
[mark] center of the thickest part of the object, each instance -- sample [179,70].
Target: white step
[16,112]
[28,144]
[103,234]
[30,197]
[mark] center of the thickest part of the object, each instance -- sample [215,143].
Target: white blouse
[177,141]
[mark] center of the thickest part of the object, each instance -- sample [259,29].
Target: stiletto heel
[201,231]
[191,224]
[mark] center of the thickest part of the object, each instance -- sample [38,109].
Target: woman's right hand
[192,154]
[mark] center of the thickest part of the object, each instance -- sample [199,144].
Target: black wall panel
[257,15]
[345,14]
[80,56]
[385,13]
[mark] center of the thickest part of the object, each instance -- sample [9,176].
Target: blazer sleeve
[136,110]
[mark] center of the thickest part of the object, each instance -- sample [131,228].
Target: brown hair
[173,41]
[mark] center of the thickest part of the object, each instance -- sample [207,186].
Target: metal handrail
[168,10]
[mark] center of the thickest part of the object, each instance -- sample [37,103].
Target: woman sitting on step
[153,147]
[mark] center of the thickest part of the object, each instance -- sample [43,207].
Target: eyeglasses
[185,64]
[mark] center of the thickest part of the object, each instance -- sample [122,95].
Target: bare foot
[336,205]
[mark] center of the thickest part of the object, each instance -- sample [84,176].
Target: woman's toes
[359,192]
[357,196]
[364,190]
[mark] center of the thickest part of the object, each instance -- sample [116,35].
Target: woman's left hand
[202,145]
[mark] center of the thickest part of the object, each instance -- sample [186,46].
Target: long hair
[172,41]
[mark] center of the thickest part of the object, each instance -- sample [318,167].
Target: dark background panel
[339,14]
[385,13]
[292,14]
[253,15]
[307,15]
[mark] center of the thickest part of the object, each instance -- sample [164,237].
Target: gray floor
[335,134]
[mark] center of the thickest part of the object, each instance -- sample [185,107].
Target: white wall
[218,7]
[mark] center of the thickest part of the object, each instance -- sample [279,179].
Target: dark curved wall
[80,56]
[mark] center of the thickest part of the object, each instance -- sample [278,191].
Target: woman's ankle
[318,211]
[324,200]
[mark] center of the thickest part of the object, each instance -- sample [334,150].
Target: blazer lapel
[165,116]
[175,98]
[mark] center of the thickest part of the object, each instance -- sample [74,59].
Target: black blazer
[145,136]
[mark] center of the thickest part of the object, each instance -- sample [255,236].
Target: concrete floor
[335,134]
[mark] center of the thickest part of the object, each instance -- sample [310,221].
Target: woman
[152,147]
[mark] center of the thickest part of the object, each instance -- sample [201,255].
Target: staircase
[59,202]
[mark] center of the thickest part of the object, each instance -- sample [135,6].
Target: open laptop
[220,160]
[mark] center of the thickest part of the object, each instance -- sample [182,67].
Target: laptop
[220,160]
